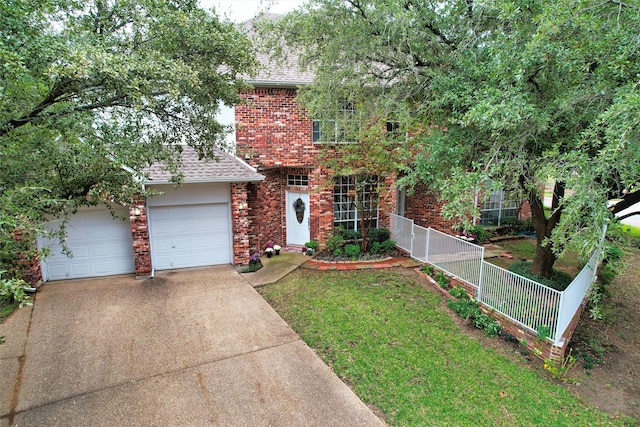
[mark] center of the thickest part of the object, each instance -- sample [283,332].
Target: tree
[372,163]
[503,94]
[93,92]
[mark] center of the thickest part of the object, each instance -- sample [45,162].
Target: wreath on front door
[298,207]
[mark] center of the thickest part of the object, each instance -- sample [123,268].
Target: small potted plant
[277,248]
[311,247]
[269,250]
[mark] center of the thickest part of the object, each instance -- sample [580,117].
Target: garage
[190,236]
[100,245]
[190,226]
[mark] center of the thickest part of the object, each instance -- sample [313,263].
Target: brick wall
[424,208]
[240,223]
[272,130]
[140,235]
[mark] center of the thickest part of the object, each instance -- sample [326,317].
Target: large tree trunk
[544,257]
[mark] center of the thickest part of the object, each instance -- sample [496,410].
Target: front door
[297,218]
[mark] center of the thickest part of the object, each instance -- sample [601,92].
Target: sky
[242,10]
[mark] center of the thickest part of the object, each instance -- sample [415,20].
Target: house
[274,191]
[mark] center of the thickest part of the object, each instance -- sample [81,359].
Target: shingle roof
[226,168]
[280,73]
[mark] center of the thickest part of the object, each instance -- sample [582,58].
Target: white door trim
[297,233]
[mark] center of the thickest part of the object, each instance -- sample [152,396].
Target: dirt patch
[612,347]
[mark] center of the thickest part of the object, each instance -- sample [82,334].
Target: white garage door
[190,236]
[100,246]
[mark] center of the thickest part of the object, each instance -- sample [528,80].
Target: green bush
[465,308]
[338,252]
[352,251]
[388,245]
[442,280]
[427,269]
[376,248]
[480,233]
[351,235]
[312,245]
[459,292]
[335,242]
[12,290]
[558,280]
[378,235]
[485,322]
[612,253]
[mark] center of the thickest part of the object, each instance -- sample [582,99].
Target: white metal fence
[523,300]
[526,302]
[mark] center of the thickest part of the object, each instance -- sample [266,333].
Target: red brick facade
[140,235]
[240,223]
[425,210]
[274,135]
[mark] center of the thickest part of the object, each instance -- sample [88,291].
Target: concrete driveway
[192,347]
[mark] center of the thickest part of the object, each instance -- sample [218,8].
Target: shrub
[465,308]
[337,252]
[427,269]
[485,322]
[335,242]
[352,251]
[376,248]
[442,280]
[378,235]
[351,235]
[558,280]
[479,232]
[312,245]
[13,290]
[459,292]
[612,253]
[388,245]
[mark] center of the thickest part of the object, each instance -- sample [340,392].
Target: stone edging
[367,261]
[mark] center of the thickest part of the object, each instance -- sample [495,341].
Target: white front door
[297,218]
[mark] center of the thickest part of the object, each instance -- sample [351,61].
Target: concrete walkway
[195,347]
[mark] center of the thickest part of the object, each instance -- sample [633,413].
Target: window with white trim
[345,199]
[496,208]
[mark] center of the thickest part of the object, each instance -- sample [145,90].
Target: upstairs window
[341,129]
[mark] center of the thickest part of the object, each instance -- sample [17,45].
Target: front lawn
[393,341]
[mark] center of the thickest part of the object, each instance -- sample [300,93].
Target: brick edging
[367,261]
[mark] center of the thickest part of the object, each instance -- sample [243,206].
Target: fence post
[557,336]
[479,297]
[426,251]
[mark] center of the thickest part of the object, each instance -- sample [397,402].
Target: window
[341,129]
[498,207]
[346,198]
[298,180]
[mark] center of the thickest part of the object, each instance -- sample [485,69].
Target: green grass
[393,342]
[6,308]
[570,263]
[630,231]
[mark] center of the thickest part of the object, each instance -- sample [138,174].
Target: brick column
[240,223]
[140,235]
